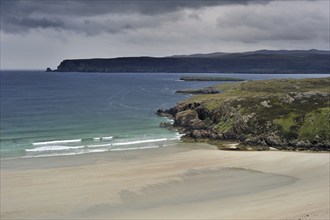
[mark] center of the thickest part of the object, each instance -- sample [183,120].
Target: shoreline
[19,163]
[176,182]
[230,146]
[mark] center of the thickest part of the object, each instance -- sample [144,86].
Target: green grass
[250,90]
[287,122]
[224,126]
[265,88]
[316,125]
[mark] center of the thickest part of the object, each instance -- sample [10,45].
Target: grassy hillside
[283,113]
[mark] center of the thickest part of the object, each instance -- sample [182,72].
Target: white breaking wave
[97,150]
[170,120]
[177,137]
[69,153]
[53,148]
[56,154]
[90,151]
[103,138]
[56,142]
[130,142]
[139,142]
[100,145]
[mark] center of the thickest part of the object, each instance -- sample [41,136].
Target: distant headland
[261,61]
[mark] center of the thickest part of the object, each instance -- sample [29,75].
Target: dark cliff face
[252,62]
[68,66]
[286,114]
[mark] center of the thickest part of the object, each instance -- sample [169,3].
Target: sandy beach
[186,181]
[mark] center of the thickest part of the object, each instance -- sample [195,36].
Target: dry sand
[178,182]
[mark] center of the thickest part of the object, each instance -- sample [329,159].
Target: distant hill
[261,61]
[269,52]
[200,55]
[290,52]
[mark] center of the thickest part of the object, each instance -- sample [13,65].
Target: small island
[286,114]
[209,78]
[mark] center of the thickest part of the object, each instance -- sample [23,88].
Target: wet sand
[186,181]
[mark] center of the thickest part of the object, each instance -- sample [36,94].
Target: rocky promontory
[287,114]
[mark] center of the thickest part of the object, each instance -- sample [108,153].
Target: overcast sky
[36,34]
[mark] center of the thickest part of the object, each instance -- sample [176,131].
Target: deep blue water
[38,108]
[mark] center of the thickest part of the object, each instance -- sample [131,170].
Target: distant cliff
[288,114]
[263,61]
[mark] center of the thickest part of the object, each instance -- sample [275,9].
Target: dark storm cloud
[19,16]
[18,25]
[96,7]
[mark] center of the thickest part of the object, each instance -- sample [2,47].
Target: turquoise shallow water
[50,114]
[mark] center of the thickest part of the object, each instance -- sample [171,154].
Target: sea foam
[68,147]
[53,148]
[56,142]
[99,145]
[103,138]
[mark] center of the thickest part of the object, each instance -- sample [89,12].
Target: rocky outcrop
[280,115]
[168,113]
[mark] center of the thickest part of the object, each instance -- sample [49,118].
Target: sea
[46,114]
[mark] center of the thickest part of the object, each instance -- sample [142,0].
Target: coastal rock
[265,104]
[165,124]
[169,126]
[287,99]
[169,113]
[187,118]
